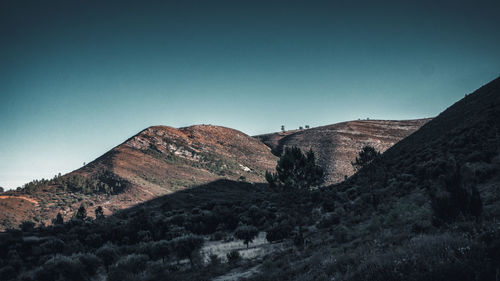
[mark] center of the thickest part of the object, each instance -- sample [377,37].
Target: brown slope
[157,161]
[337,145]
[163,159]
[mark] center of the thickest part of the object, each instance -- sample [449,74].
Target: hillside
[427,209]
[337,145]
[157,161]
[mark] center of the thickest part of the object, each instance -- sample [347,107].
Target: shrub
[185,246]
[246,233]
[329,220]
[233,257]
[278,232]
[107,253]
[27,226]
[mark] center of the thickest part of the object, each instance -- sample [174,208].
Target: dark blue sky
[79,77]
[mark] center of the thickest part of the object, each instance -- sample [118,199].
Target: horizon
[77,79]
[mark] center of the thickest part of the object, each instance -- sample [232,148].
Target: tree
[27,226]
[279,232]
[246,233]
[296,170]
[107,253]
[161,249]
[81,214]
[365,157]
[99,213]
[185,246]
[1,189]
[58,220]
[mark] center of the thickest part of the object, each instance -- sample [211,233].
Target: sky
[79,77]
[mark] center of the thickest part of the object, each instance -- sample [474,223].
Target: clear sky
[79,77]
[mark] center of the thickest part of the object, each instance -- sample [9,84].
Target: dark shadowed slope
[459,149]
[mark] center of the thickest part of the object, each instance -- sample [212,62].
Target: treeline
[106,183]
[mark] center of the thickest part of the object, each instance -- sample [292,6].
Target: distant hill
[337,145]
[157,161]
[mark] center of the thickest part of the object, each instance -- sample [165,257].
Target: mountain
[157,161]
[426,209]
[161,159]
[337,145]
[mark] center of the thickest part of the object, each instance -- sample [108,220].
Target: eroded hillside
[337,145]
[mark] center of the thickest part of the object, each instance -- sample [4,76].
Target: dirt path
[20,197]
[238,273]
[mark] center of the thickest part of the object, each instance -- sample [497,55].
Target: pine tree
[296,170]
[365,157]
[58,220]
[99,213]
[81,214]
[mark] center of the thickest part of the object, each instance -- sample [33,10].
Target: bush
[128,267]
[454,193]
[329,220]
[279,232]
[27,226]
[107,253]
[233,257]
[185,246]
[246,233]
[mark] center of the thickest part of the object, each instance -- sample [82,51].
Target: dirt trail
[238,274]
[20,197]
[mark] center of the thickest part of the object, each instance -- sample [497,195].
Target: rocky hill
[157,161]
[337,145]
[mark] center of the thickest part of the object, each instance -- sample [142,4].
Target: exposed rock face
[337,145]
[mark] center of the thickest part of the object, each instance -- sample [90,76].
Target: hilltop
[156,161]
[337,145]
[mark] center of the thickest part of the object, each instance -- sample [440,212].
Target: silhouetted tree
[1,189]
[81,214]
[58,219]
[27,226]
[99,213]
[365,157]
[296,170]
[246,233]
